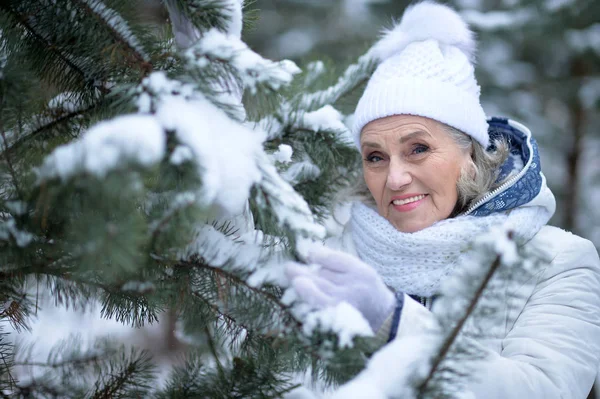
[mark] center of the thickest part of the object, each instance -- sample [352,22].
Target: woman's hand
[342,277]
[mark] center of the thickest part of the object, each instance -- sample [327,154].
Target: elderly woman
[436,175]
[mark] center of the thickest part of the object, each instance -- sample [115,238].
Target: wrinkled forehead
[401,127]
[394,122]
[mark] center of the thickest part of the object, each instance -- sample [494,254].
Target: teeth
[408,200]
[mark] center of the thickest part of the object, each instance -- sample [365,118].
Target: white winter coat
[549,344]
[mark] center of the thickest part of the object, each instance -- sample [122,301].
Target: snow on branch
[220,251]
[343,320]
[226,151]
[291,210]
[156,87]
[354,76]
[233,11]
[283,154]
[132,138]
[252,69]
[187,33]
[227,161]
[118,27]
[326,118]
[62,109]
[301,171]
[314,71]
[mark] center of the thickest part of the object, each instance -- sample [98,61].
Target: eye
[373,158]
[420,149]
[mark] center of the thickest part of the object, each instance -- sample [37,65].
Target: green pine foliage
[136,231]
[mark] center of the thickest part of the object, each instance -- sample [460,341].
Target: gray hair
[481,176]
[474,182]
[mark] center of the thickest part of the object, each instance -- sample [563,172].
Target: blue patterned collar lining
[528,186]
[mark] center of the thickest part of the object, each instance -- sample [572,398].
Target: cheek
[375,183]
[452,180]
[449,184]
[444,175]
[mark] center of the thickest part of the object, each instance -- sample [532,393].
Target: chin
[410,227]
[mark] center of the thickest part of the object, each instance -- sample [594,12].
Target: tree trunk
[574,155]
[573,159]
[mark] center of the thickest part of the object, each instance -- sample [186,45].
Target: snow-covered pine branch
[242,268]
[252,69]
[65,109]
[233,11]
[141,139]
[289,208]
[118,28]
[313,71]
[132,139]
[242,252]
[190,19]
[320,141]
[326,118]
[342,320]
[171,106]
[353,77]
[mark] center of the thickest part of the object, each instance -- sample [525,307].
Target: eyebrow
[409,136]
[370,144]
[403,139]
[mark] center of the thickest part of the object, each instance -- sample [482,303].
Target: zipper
[423,301]
[495,192]
[513,179]
[426,302]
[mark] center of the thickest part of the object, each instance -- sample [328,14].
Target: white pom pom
[423,21]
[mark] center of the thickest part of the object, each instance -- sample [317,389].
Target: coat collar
[526,184]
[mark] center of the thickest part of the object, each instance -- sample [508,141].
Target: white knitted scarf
[416,263]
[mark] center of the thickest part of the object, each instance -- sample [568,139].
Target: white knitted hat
[426,69]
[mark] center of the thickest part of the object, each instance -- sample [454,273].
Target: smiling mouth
[408,200]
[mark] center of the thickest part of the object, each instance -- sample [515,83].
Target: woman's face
[411,166]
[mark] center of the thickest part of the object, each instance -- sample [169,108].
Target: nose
[398,176]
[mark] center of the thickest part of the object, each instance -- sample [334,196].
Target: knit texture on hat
[426,69]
